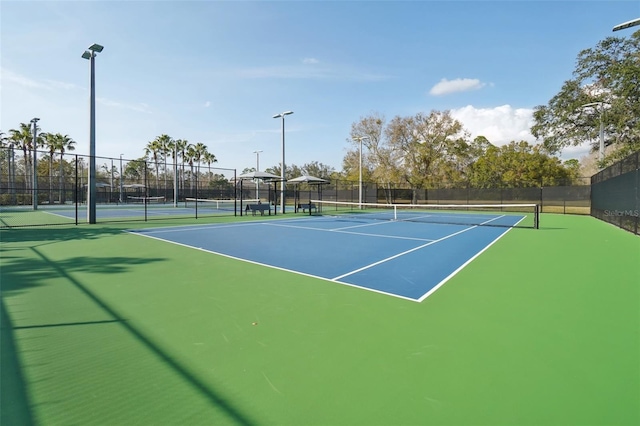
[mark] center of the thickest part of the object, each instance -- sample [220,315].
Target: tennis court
[399,258]
[137,208]
[273,320]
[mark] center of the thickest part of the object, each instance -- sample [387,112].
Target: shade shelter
[311,182]
[263,176]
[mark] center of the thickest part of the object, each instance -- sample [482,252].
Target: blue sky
[217,71]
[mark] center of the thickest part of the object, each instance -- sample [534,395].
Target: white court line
[188,228]
[266,265]
[411,250]
[338,231]
[451,275]
[59,215]
[360,226]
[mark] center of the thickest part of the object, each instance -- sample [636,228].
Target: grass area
[103,327]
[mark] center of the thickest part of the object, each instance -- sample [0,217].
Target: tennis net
[143,200]
[504,215]
[208,204]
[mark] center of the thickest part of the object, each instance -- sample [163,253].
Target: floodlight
[631,23]
[96,48]
[86,54]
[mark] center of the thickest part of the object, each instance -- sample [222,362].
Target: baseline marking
[273,266]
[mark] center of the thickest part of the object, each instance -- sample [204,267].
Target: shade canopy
[308,179]
[259,175]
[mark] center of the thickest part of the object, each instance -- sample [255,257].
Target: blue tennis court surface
[138,211]
[404,259]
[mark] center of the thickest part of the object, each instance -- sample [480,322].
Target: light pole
[121,177]
[360,139]
[282,167]
[257,153]
[628,24]
[91,197]
[175,173]
[601,146]
[34,198]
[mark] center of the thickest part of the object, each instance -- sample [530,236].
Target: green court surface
[101,327]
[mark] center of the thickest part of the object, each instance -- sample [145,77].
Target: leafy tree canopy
[607,77]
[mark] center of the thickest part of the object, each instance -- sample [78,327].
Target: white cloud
[305,72]
[10,77]
[310,61]
[140,107]
[503,124]
[207,104]
[445,87]
[500,125]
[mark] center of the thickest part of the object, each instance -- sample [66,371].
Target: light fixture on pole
[601,144]
[257,153]
[628,24]
[360,139]
[282,166]
[91,194]
[34,198]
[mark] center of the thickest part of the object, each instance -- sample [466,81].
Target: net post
[536,217]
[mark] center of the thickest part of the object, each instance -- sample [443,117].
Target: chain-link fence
[44,189]
[140,189]
[566,199]
[615,194]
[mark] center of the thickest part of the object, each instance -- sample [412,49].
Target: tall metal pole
[175,174]
[90,54]
[257,170]
[360,138]
[91,197]
[121,177]
[601,144]
[111,184]
[601,149]
[34,198]
[283,167]
[360,178]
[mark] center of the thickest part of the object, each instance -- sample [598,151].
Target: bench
[307,206]
[259,208]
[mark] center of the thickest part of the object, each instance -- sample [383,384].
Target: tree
[155,148]
[23,139]
[165,144]
[378,161]
[181,149]
[518,164]
[608,73]
[426,146]
[317,169]
[64,143]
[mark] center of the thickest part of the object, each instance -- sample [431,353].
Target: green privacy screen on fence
[615,194]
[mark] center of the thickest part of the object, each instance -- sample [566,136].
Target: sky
[216,72]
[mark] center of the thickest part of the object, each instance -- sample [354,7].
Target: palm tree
[50,141]
[190,156]
[165,143]
[181,148]
[209,158]
[200,150]
[4,150]
[23,139]
[154,148]
[64,143]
